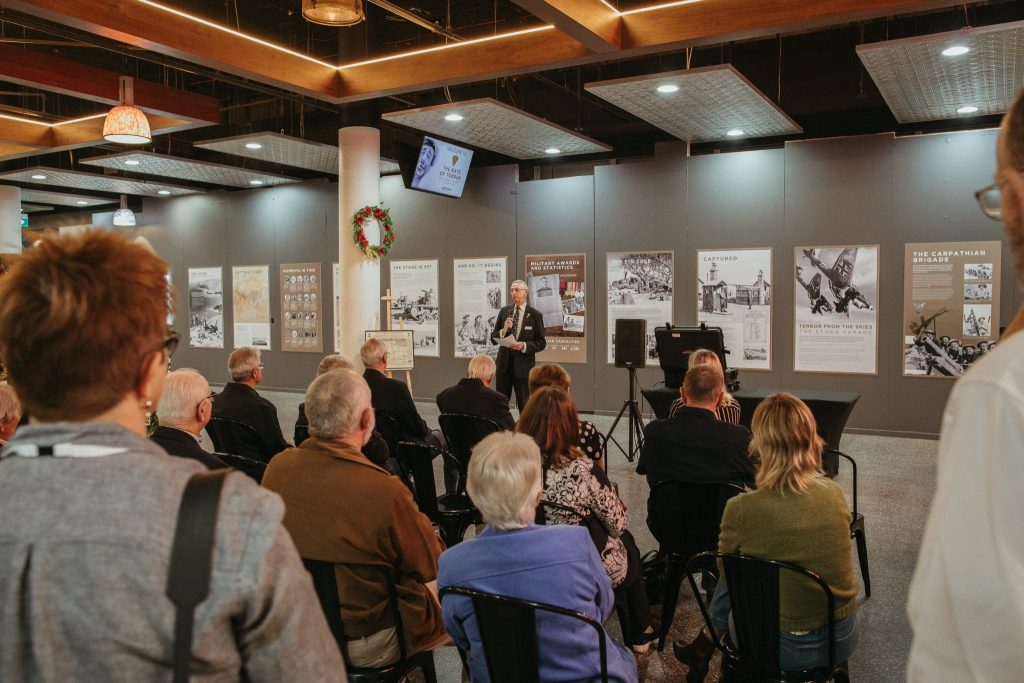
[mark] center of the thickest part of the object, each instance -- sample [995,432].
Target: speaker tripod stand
[634,420]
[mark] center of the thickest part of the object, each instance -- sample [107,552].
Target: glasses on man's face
[990,199]
[206,398]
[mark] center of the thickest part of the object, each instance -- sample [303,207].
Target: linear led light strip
[50,125]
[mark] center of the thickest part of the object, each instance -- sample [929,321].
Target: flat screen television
[440,168]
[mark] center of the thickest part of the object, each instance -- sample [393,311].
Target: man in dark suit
[526,326]
[473,395]
[184,409]
[239,401]
[694,445]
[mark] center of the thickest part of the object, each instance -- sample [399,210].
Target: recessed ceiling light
[734,133]
[453,117]
[255,182]
[81,202]
[38,176]
[163,192]
[969,109]
[956,51]
[131,162]
[668,88]
[253,145]
[552,150]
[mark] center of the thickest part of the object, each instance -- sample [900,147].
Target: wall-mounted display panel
[206,308]
[557,285]
[414,303]
[734,292]
[250,304]
[480,285]
[301,308]
[640,285]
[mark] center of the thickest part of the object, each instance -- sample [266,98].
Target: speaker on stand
[630,353]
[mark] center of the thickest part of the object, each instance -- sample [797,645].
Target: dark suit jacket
[391,396]
[183,444]
[531,332]
[241,402]
[471,397]
[695,446]
[375,450]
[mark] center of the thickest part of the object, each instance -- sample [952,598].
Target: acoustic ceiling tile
[164,166]
[94,182]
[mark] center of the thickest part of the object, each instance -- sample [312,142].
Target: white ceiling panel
[489,124]
[287,151]
[61,199]
[95,182]
[706,104]
[919,83]
[166,166]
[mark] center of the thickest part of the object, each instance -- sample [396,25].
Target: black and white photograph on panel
[734,292]
[414,304]
[640,285]
[479,295]
[206,308]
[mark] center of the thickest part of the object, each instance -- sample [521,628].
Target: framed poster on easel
[399,344]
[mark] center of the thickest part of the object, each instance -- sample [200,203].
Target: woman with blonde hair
[729,411]
[796,515]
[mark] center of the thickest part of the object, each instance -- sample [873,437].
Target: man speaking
[519,330]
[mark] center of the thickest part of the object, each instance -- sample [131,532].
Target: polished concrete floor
[896,483]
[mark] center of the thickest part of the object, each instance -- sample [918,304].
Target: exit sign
[24,221]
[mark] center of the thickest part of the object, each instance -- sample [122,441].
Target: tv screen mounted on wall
[441,168]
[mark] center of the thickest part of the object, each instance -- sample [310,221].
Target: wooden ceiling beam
[591,23]
[151,26]
[21,139]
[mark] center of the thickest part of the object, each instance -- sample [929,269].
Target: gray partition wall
[866,190]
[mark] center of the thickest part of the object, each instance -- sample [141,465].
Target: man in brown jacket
[341,508]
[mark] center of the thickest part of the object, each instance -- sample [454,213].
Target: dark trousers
[506,381]
[633,591]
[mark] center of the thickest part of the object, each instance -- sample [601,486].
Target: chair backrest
[248,466]
[463,432]
[686,517]
[389,428]
[325,583]
[508,632]
[853,466]
[753,586]
[238,438]
[408,454]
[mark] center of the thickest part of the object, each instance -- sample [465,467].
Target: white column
[358,186]
[10,220]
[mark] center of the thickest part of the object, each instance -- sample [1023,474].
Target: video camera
[675,344]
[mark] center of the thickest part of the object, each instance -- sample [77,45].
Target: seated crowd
[95,519]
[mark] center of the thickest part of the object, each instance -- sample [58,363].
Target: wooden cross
[387,299]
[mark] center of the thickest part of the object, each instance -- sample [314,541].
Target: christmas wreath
[383,217]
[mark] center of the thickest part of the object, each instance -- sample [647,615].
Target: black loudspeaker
[630,343]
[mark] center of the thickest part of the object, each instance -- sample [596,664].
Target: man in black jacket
[184,409]
[473,395]
[240,402]
[524,327]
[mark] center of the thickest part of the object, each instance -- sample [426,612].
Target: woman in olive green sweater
[795,515]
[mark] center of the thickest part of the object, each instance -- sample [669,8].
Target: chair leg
[453,529]
[622,612]
[673,580]
[429,670]
[862,556]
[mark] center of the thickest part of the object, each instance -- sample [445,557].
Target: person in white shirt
[966,602]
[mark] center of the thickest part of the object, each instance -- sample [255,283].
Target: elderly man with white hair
[512,556]
[343,509]
[473,394]
[240,402]
[183,411]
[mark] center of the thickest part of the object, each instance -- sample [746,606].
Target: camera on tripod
[675,344]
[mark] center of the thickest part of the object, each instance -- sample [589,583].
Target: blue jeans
[796,652]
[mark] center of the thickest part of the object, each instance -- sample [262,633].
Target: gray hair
[481,367]
[184,390]
[519,284]
[335,402]
[242,362]
[504,479]
[10,406]
[372,352]
[335,361]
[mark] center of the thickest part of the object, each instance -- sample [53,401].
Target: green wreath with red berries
[359,221]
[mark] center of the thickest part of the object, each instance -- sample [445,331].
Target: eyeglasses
[206,398]
[990,199]
[170,344]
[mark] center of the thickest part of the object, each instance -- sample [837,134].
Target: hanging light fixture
[124,217]
[333,12]
[126,123]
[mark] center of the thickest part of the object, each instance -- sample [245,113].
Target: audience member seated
[10,412]
[694,445]
[376,449]
[392,396]
[239,401]
[341,508]
[796,515]
[729,411]
[473,395]
[551,564]
[572,480]
[183,411]
[87,535]
[552,375]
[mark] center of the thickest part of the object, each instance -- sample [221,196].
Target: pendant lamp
[126,123]
[124,217]
[333,12]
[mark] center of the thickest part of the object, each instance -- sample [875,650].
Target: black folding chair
[463,432]
[326,585]
[389,428]
[237,438]
[248,466]
[508,632]
[418,457]
[753,586]
[455,510]
[857,525]
[685,518]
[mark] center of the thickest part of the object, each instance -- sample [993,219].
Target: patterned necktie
[515,324]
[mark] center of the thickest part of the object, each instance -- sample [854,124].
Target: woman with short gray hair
[512,556]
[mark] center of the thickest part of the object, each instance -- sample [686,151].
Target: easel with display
[387,299]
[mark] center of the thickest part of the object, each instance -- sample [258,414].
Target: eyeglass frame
[209,398]
[985,210]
